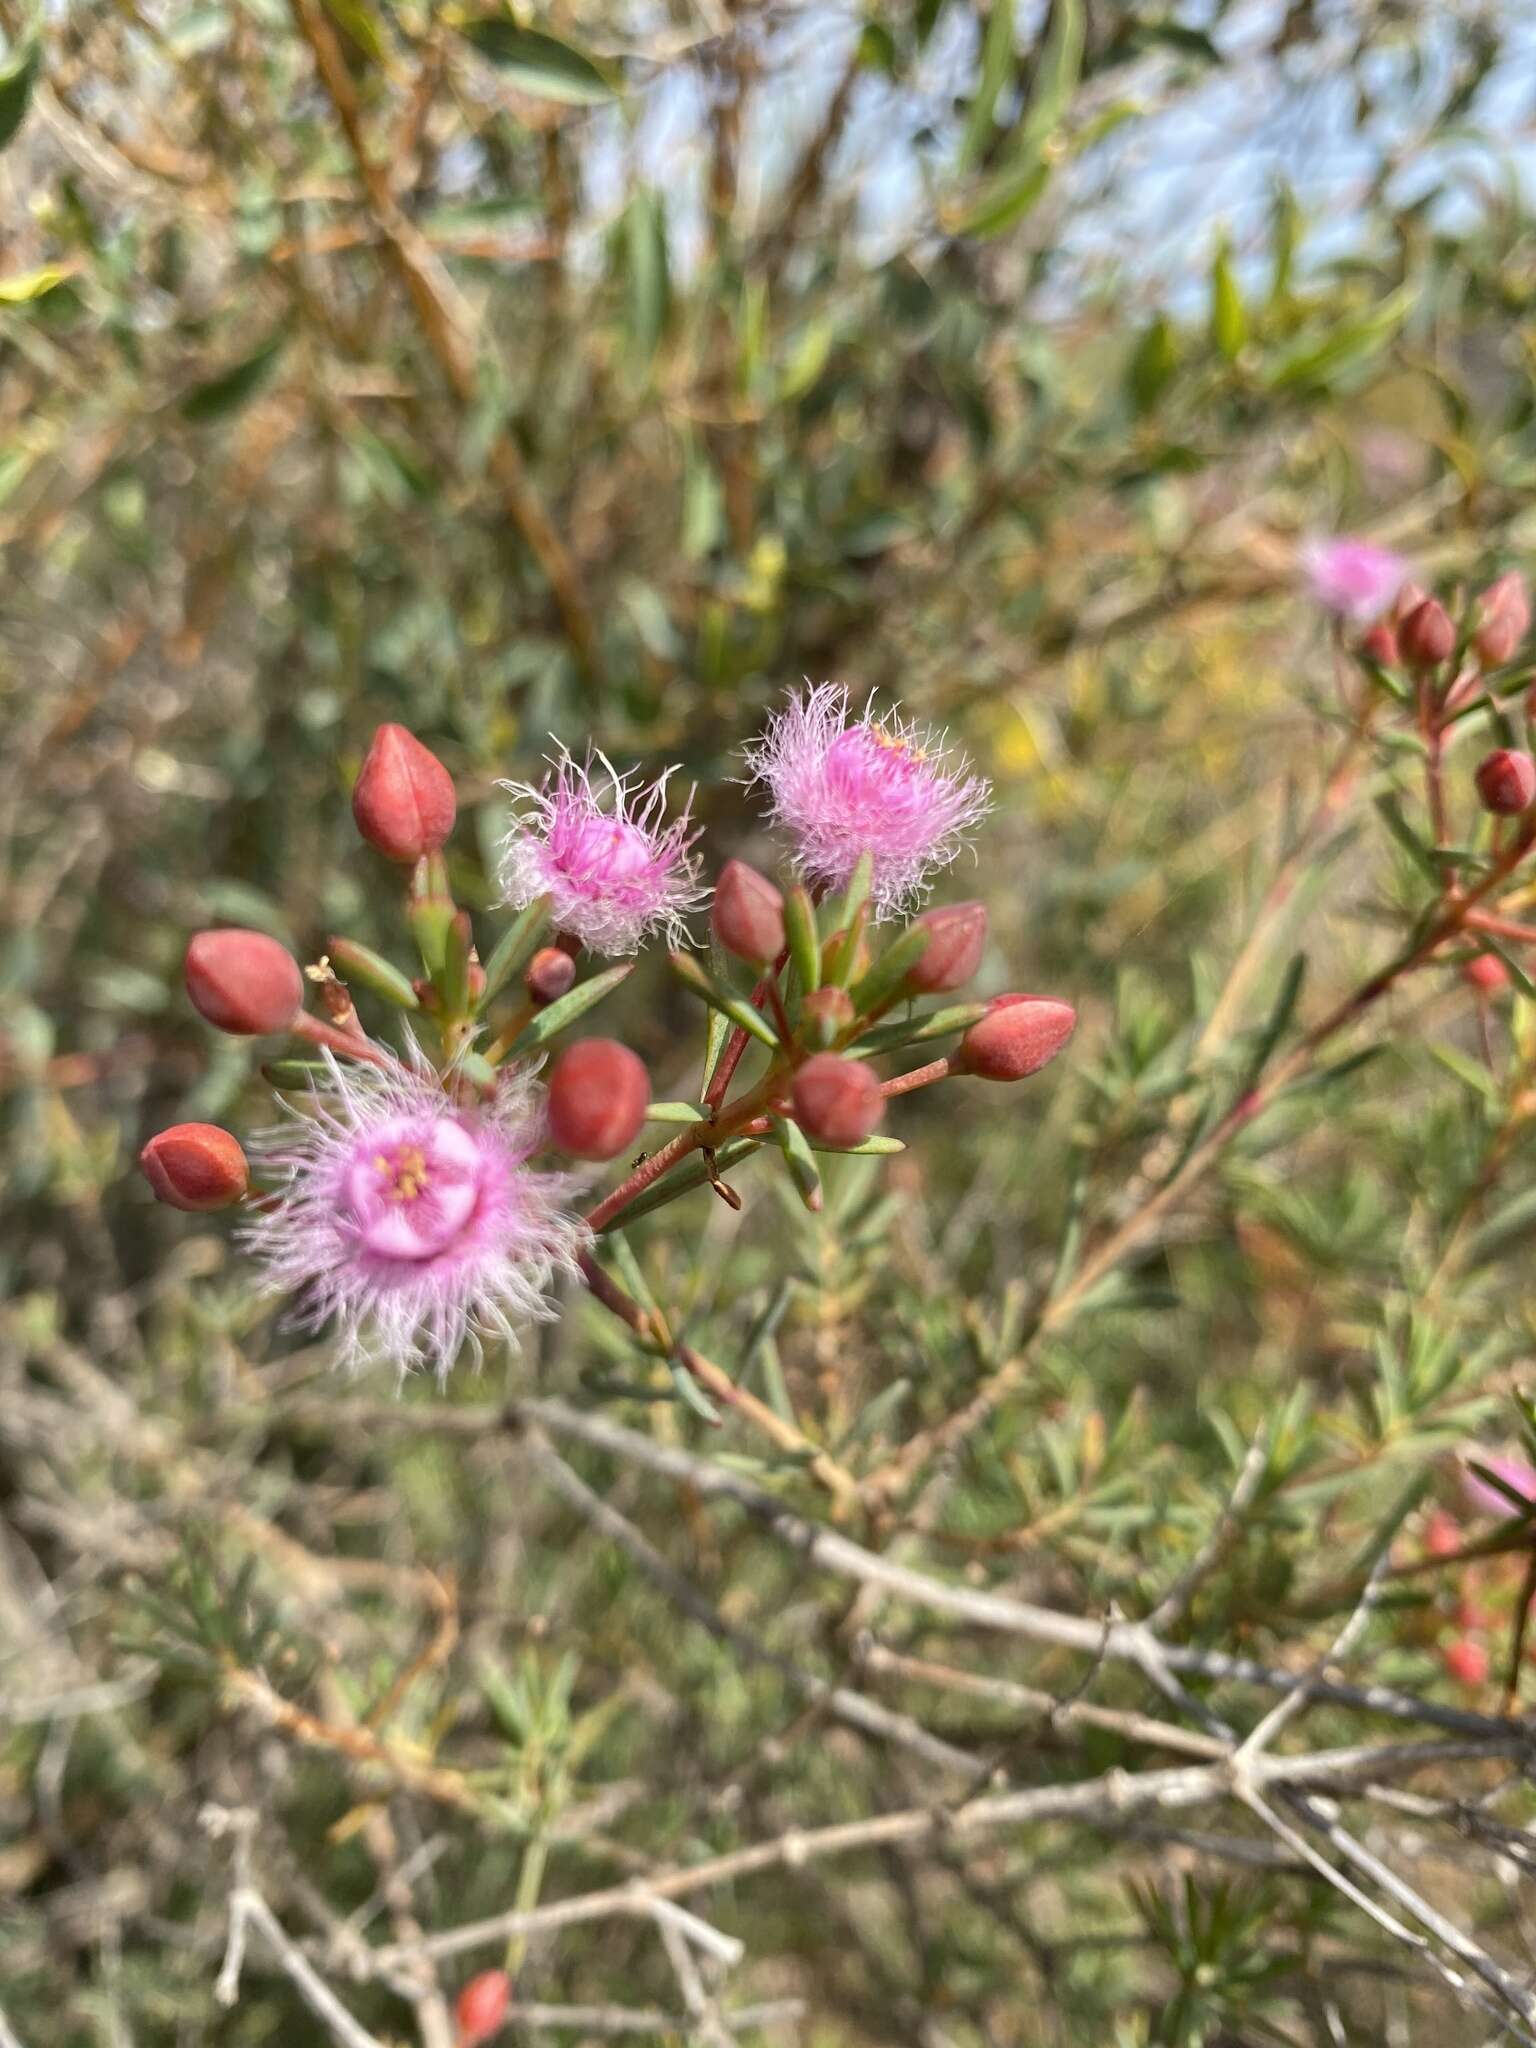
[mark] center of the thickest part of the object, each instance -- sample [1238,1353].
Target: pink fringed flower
[841,787]
[410,1221]
[1354,578]
[1492,1500]
[612,866]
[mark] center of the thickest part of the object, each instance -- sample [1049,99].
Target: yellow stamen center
[405,1171]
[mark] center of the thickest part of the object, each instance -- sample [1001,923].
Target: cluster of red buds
[1454,669]
[420,1201]
[1482,1569]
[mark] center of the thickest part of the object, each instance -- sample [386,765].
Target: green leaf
[1317,364]
[229,391]
[890,970]
[27,285]
[997,63]
[648,287]
[538,64]
[918,1030]
[1391,813]
[1007,200]
[693,976]
[800,1160]
[515,948]
[1056,75]
[867,1148]
[1153,362]
[673,1113]
[16,82]
[804,944]
[360,966]
[1229,317]
[539,1030]
[358,25]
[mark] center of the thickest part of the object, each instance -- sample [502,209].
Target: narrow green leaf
[918,1030]
[1056,74]
[539,64]
[890,970]
[1229,317]
[515,948]
[1006,200]
[1153,362]
[27,285]
[996,70]
[539,1030]
[229,391]
[16,82]
[691,973]
[1391,813]
[804,944]
[798,1157]
[360,967]
[673,1113]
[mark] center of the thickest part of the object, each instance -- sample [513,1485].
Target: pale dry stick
[1298,1844]
[1029,1699]
[704,2022]
[1122,1641]
[620,2019]
[1285,1710]
[840,1701]
[1114,1796]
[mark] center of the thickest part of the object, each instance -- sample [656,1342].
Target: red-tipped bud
[1427,637]
[1506,781]
[551,972]
[825,1014]
[957,937]
[1486,973]
[243,981]
[403,798]
[598,1095]
[1380,645]
[196,1167]
[1504,619]
[1466,1661]
[480,2010]
[1018,1036]
[748,914]
[837,1101]
[1408,599]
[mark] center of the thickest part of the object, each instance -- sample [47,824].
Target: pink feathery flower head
[412,1222]
[1353,578]
[840,787]
[612,865]
[1492,1500]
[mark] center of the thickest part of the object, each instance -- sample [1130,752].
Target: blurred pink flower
[410,1221]
[610,864]
[1354,578]
[840,787]
[1488,1500]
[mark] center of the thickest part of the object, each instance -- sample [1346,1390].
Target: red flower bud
[243,981]
[551,973]
[1442,1535]
[1504,618]
[1380,646]
[957,937]
[748,914]
[825,1015]
[1486,973]
[1506,781]
[481,2008]
[837,1101]
[403,798]
[1427,637]
[598,1095]
[1466,1661]
[1408,599]
[196,1167]
[1017,1037]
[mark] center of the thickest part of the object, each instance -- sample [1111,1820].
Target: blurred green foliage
[599,371]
